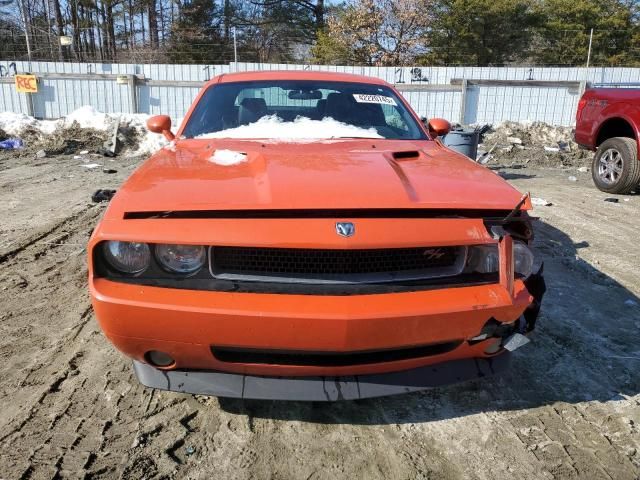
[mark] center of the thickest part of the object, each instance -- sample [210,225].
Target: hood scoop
[406,155]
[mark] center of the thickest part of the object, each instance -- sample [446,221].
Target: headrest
[251,110]
[254,104]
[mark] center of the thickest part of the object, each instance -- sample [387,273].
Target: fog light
[159,359]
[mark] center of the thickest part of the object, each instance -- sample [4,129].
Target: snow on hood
[302,128]
[228,157]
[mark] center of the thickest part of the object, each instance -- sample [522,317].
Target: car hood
[330,174]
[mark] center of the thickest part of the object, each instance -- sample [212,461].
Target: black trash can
[464,141]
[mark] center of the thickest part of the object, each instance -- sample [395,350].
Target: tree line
[354,32]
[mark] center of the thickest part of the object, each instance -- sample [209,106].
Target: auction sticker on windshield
[367,98]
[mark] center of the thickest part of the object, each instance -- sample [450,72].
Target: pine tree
[479,32]
[563,38]
[195,36]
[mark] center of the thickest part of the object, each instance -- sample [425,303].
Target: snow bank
[302,128]
[148,142]
[88,117]
[15,123]
[537,134]
[536,143]
[228,157]
[145,142]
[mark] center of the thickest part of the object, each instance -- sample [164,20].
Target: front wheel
[615,167]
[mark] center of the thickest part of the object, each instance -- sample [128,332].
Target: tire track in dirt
[34,239]
[46,374]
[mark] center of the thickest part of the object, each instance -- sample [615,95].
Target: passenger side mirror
[161,124]
[439,127]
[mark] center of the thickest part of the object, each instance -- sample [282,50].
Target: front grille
[388,263]
[329,359]
[231,271]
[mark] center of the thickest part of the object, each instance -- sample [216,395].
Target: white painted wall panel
[484,103]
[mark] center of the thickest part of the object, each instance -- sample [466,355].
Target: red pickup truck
[608,122]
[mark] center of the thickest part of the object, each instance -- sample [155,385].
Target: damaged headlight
[181,258]
[127,257]
[483,259]
[486,259]
[522,259]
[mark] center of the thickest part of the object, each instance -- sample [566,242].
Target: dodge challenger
[306,236]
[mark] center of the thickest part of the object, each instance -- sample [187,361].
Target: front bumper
[319,389]
[190,324]
[187,324]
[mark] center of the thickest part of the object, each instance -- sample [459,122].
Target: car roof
[295,75]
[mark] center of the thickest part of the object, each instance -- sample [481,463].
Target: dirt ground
[71,407]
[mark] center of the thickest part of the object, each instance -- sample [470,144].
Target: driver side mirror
[161,124]
[438,127]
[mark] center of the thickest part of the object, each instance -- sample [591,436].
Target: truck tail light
[581,104]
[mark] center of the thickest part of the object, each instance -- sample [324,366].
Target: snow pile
[133,125]
[150,143]
[532,142]
[532,134]
[132,132]
[146,142]
[302,128]
[88,117]
[16,123]
[228,157]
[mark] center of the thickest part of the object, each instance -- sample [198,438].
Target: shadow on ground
[584,349]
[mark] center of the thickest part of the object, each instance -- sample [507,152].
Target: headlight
[485,259]
[181,258]
[127,257]
[522,259]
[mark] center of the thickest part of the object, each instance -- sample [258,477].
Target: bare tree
[152,16]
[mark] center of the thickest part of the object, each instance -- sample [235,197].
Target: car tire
[615,167]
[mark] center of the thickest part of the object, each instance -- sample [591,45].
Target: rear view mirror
[438,127]
[161,124]
[305,95]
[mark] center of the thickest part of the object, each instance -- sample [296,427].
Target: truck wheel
[616,168]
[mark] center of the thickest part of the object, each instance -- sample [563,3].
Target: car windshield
[293,110]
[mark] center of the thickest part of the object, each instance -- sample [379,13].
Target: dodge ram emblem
[345,229]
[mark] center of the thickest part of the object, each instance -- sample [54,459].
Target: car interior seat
[343,108]
[251,110]
[321,108]
[338,107]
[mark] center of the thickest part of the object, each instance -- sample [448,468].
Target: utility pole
[235,51]
[589,51]
[586,71]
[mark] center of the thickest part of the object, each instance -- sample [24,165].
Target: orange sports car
[305,236]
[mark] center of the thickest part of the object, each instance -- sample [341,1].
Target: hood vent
[329,213]
[406,155]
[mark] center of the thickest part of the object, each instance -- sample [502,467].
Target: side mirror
[439,127]
[161,124]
